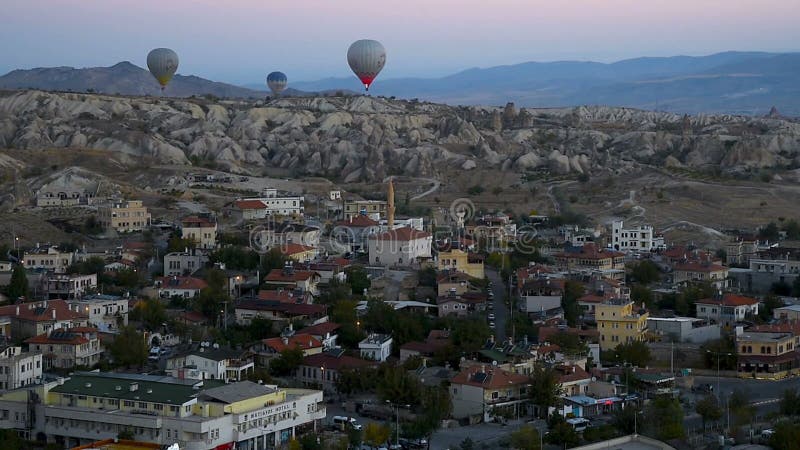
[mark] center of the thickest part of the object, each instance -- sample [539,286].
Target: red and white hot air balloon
[367,58]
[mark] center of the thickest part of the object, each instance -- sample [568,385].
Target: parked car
[491,316]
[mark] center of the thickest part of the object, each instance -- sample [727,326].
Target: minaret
[390,205]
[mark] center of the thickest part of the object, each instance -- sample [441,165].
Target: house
[328,269]
[36,318]
[540,295]
[399,247]
[124,216]
[298,252]
[450,282]
[68,348]
[70,188]
[376,347]
[788,313]
[460,305]
[281,234]
[49,258]
[740,250]
[291,279]
[184,263]
[248,309]
[687,272]
[635,239]
[436,341]
[461,261]
[285,296]
[620,321]
[589,256]
[325,332]
[200,230]
[477,392]
[70,286]
[766,354]
[374,209]
[491,228]
[353,233]
[683,329]
[250,209]
[278,205]
[323,369]
[175,286]
[272,347]
[18,368]
[728,309]
[107,313]
[574,380]
[211,362]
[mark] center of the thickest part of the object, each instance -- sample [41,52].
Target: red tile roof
[401,234]
[572,373]
[193,316]
[335,363]
[792,326]
[595,298]
[320,329]
[282,295]
[489,378]
[250,204]
[545,333]
[61,337]
[698,267]
[293,249]
[189,283]
[290,309]
[282,276]
[590,251]
[41,311]
[729,300]
[301,341]
[359,221]
[197,222]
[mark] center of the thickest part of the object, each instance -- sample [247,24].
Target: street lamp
[719,357]
[397,420]
[635,428]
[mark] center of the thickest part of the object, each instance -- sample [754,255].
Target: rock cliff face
[366,138]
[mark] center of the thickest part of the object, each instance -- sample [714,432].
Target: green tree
[309,442]
[467,444]
[769,232]
[770,303]
[89,266]
[235,258]
[150,312]
[358,279]
[176,243]
[573,290]
[12,441]
[427,277]
[709,409]
[18,285]
[287,362]
[376,434]
[126,434]
[635,353]
[625,419]
[720,352]
[129,348]
[786,436]
[645,272]
[561,433]
[665,417]
[569,343]
[525,438]
[740,407]
[470,334]
[211,298]
[641,294]
[790,403]
[545,389]
[273,259]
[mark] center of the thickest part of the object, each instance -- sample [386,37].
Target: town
[284,321]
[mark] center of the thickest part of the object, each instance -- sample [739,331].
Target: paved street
[500,291]
[482,434]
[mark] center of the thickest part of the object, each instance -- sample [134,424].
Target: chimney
[54,314]
[285,340]
[17,310]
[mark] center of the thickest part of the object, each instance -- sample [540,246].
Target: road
[434,188]
[500,308]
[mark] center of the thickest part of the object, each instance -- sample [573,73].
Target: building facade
[48,258]
[68,348]
[201,230]
[107,313]
[620,322]
[124,216]
[376,347]
[18,368]
[636,239]
[374,209]
[459,260]
[399,247]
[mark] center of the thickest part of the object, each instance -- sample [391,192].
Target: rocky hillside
[367,138]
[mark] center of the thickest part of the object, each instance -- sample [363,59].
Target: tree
[126,434]
[573,290]
[625,419]
[273,259]
[790,403]
[769,232]
[709,409]
[645,272]
[129,348]
[211,297]
[561,433]
[427,277]
[358,279]
[525,438]
[150,312]
[287,362]
[635,353]
[641,294]
[569,343]
[376,434]
[309,442]
[235,258]
[770,303]
[665,414]
[176,243]
[467,444]
[545,389]
[18,285]
[740,407]
[786,436]
[792,229]
[469,335]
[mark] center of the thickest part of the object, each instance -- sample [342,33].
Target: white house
[185,287]
[106,312]
[212,363]
[201,230]
[183,263]
[376,347]
[637,239]
[70,286]
[728,310]
[18,368]
[49,258]
[399,247]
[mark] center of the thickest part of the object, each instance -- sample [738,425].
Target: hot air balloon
[162,63]
[276,81]
[366,57]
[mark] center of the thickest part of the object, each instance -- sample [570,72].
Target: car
[491,306]
[491,316]
[492,325]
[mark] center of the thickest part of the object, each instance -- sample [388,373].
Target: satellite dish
[174,447]
[494,363]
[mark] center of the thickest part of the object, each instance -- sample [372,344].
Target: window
[127,403]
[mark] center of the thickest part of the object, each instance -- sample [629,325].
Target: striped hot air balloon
[367,58]
[276,82]
[162,63]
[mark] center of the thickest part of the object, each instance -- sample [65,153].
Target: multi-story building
[107,313]
[620,321]
[273,347]
[195,414]
[35,318]
[71,286]
[728,309]
[282,205]
[589,256]
[201,230]
[449,282]
[374,209]
[184,263]
[400,247]
[477,391]
[212,363]
[323,369]
[376,347]
[174,286]
[124,216]
[353,233]
[687,272]
[250,209]
[636,239]
[766,354]
[68,348]
[291,279]
[49,258]
[18,368]
[461,261]
[740,250]
[299,252]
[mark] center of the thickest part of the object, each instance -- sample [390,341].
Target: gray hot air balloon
[366,57]
[276,81]
[162,63]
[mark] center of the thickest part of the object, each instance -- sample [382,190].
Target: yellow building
[620,321]
[353,208]
[765,354]
[461,261]
[124,216]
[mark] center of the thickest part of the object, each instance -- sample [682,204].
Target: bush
[475,190]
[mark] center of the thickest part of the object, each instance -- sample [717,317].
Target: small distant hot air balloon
[276,81]
[366,57]
[162,63]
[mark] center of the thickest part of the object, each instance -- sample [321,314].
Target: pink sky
[241,40]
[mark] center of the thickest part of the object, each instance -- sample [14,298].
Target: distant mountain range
[732,82]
